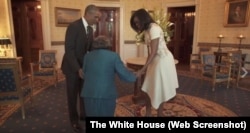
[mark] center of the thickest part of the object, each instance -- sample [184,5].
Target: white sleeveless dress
[161,80]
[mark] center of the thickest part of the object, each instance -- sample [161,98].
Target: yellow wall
[210,24]
[58,33]
[6,31]
[131,5]
[211,20]
[4,19]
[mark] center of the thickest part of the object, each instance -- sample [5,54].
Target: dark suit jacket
[76,46]
[100,68]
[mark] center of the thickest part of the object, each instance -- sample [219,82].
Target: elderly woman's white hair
[101,42]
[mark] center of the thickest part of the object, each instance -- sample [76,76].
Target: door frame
[101,26]
[196,21]
[116,5]
[46,22]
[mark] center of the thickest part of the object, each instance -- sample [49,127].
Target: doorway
[109,26]
[182,41]
[29,37]
[27,21]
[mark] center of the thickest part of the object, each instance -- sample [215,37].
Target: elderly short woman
[100,67]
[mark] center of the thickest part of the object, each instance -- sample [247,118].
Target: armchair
[236,59]
[14,60]
[13,89]
[195,60]
[246,65]
[214,72]
[240,67]
[46,67]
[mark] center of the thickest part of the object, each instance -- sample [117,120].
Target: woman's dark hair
[144,20]
[101,42]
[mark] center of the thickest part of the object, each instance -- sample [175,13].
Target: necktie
[89,31]
[89,37]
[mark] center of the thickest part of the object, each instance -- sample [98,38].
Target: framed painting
[64,16]
[236,13]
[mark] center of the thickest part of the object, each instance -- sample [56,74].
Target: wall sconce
[240,37]
[6,42]
[220,38]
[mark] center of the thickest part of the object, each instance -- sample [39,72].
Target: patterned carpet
[181,106]
[50,110]
[8,110]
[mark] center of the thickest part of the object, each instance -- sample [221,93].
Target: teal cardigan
[100,68]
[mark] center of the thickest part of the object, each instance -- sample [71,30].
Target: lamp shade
[4,41]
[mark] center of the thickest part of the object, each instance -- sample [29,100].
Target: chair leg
[56,78]
[31,96]
[228,83]
[22,108]
[55,82]
[32,85]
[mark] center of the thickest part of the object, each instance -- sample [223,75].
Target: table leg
[141,97]
[137,90]
[138,96]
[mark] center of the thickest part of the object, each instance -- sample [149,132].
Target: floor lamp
[240,37]
[220,38]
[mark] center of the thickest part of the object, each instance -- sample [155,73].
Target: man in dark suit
[78,40]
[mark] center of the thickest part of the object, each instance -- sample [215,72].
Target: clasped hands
[139,73]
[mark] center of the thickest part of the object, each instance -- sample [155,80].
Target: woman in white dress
[160,82]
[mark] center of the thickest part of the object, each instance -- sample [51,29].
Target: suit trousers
[74,85]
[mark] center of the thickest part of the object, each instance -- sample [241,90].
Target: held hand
[80,72]
[139,73]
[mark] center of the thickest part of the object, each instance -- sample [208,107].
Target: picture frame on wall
[64,16]
[236,13]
